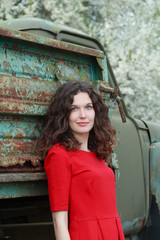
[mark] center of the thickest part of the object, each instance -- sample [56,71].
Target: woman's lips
[83,124]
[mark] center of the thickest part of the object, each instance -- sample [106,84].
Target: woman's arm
[60,222]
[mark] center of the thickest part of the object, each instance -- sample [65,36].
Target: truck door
[133,175]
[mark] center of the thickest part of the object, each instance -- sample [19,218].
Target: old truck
[36,56]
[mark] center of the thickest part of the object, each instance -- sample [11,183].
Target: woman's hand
[60,222]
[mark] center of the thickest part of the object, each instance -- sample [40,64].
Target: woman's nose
[82,113]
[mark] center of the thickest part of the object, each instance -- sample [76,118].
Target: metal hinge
[114,93]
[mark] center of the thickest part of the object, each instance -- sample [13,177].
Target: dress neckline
[84,151]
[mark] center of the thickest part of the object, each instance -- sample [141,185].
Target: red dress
[82,184]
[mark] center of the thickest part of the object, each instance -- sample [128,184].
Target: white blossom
[129,31]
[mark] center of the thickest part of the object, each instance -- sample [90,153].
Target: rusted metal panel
[29,75]
[19,107]
[23,189]
[22,177]
[49,42]
[13,126]
[19,155]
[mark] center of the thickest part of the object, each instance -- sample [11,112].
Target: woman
[77,139]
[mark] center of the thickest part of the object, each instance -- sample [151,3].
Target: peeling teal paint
[42,64]
[133,225]
[18,129]
[23,189]
[32,72]
[157,139]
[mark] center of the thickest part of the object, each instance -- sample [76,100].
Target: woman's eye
[73,109]
[88,107]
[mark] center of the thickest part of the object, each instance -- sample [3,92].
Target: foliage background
[129,30]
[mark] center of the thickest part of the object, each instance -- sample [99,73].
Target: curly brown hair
[56,125]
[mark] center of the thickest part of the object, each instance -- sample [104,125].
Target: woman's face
[81,119]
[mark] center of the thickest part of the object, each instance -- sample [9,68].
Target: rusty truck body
[36,56]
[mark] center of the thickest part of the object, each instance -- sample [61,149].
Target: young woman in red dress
[77,142]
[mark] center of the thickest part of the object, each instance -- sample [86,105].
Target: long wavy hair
[56,124]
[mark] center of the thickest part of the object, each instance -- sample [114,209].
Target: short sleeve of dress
[58,171]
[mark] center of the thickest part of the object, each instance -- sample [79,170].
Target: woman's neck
[84,147]
[83,139]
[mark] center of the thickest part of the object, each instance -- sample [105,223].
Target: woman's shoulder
[57,153]
[57,159]
[58,149]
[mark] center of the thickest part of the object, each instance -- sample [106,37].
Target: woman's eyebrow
[73,105]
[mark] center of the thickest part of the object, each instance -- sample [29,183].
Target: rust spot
[141,222]
[21,164]
[35,78]
[13,74]
[5,45]
[4,32]
[37,127]
[25,168]
[19,156]
[6,65]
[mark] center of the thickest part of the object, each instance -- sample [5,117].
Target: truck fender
[154,134]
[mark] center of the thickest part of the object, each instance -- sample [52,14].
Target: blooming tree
[129,31]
